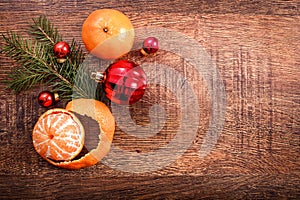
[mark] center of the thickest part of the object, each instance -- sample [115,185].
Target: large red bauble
[125,82]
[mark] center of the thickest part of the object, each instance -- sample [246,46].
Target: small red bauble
[47,98]
[61,49]
[150,46]
[125,82]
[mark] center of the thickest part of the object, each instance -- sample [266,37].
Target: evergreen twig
[44,31]
[38,63]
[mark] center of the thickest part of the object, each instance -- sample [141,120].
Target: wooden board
[255,47]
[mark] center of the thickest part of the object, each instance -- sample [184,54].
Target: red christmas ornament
[150,46]
[47,98]
[125,82]
[61,49]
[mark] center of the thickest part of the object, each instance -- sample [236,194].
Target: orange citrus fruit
[108,34]
[98,111]
[58,135]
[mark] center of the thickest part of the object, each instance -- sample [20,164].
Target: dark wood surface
[255,46]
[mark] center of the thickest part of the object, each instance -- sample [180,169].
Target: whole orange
[108,34]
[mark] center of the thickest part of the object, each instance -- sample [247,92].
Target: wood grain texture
[255,46]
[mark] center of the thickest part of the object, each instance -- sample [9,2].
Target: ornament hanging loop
[98,76]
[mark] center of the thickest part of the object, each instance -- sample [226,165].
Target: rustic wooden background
[255,45]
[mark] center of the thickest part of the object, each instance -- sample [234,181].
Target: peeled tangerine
[58,136]
[108,34]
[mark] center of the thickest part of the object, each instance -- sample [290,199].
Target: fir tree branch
[44,31]
[25,53]
[38,64]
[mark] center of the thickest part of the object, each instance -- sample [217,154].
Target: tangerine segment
[58,135]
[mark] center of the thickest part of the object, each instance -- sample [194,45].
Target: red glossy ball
[47,99]
[150,45]
[125,82]
[61,49]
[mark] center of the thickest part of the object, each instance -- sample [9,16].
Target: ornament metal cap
[61,60]
[144,52]
[98,76]
[56,97]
